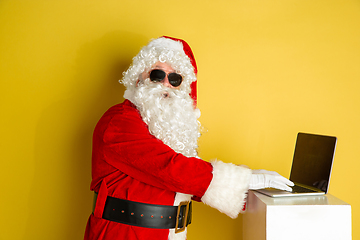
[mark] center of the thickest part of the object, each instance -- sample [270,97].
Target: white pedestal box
[290,218]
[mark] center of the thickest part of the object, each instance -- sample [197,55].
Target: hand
[267,179]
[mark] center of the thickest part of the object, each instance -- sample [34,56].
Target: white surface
[317,217]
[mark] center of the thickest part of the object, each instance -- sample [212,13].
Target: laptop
[311,167]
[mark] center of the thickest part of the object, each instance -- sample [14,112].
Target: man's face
[167,69]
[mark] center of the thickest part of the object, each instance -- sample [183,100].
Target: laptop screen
[312,160]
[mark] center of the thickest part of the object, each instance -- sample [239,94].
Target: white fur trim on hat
[228,188]
[167,44]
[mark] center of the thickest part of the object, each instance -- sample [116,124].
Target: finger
[284,180]
[273,173]
[257,171]
[262,171]
[281,186]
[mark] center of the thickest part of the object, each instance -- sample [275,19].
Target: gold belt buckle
[184,203]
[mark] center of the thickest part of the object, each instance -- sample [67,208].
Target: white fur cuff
[228,188]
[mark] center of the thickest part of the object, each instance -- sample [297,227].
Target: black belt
[148,215]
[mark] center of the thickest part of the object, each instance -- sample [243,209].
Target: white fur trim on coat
[228,188]
[179,197]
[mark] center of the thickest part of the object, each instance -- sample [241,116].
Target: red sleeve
[128,146]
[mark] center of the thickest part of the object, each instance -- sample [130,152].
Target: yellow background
[267,70]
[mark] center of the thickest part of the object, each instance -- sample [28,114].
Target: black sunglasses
[158,75]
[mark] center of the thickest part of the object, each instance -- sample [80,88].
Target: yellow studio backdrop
[267,70]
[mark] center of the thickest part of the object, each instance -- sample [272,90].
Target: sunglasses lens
[175,79]
[157,75]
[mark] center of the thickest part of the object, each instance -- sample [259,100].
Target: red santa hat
[174,51]
[189,53]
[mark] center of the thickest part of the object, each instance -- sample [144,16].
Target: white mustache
[158,89]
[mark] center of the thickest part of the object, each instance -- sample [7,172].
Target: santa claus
[145,167]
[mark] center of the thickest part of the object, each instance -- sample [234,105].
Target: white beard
[170,116]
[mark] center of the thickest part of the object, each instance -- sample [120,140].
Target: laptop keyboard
[298,189]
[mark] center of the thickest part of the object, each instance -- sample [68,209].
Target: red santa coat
[130,163]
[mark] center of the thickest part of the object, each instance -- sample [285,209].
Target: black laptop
[311,167]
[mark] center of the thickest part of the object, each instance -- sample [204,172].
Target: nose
[166,82]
